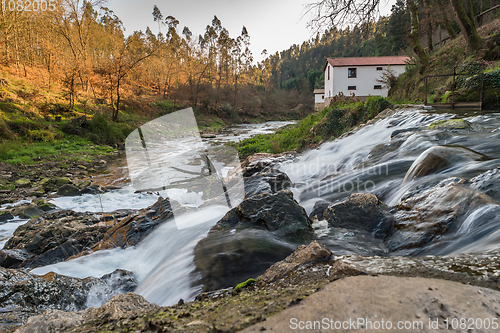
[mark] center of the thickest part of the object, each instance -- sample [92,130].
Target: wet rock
[302,255]
[90,190]
[383,148]
[455,125]
[488,182]
[272,212]
[135,227]
[319,209]
[47,206]
[404,130]
[26,212]
[35,192]
[268,182]
[11,258]
[433,213]
[438,158]
[57,236]
[22,183]
[262,162]
[68,190]
[361,211]
[5,216]
[251,237]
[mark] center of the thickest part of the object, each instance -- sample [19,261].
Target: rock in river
[437,158]
[66,234]
[251,237]
[361,211]
[433,213]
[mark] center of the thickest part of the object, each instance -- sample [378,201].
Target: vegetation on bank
[309,132]
[456,54]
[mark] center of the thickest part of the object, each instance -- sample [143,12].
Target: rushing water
[366,161]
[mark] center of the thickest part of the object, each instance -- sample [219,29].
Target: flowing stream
[374,159]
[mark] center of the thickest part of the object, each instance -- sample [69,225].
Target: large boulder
[361,211]
[429,215]
[438,158]
[251,237]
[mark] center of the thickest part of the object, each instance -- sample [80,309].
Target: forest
[80,49]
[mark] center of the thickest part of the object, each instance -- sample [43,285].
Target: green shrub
[374,105]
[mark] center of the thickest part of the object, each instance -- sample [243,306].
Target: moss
[245,284]
[449,124]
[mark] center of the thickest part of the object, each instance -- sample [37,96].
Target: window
[379,68]
[351,72]
[328,72]
[322,96]
[377,86]
[351,87]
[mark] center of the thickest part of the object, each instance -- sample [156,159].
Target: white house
[359,75]
[319,98]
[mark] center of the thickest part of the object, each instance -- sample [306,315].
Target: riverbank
[286,204]
[308,285]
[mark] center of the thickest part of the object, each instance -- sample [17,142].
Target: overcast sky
[272,24]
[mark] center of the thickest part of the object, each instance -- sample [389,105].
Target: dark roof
[366,61]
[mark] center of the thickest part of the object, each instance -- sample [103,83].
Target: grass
[16,152]
[309,132]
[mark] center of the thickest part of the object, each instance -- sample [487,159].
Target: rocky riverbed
[421,203]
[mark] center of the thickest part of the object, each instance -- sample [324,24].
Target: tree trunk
[417,46]
[467,26]
[117,107]
[445,21]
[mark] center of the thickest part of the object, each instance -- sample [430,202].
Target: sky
[273,25]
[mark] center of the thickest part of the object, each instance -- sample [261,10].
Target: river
[374,159]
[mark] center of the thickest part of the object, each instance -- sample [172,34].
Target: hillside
[411,85]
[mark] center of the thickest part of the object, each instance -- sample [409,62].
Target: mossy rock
[68,190]
[5,216]
[460,125]
[60,181]
[44,182]
[22,183]
[84,183]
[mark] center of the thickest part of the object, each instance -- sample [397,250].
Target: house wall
[319,98]
[329,82]
[365,80]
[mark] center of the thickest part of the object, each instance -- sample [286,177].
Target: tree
[467,23]
[344,12]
